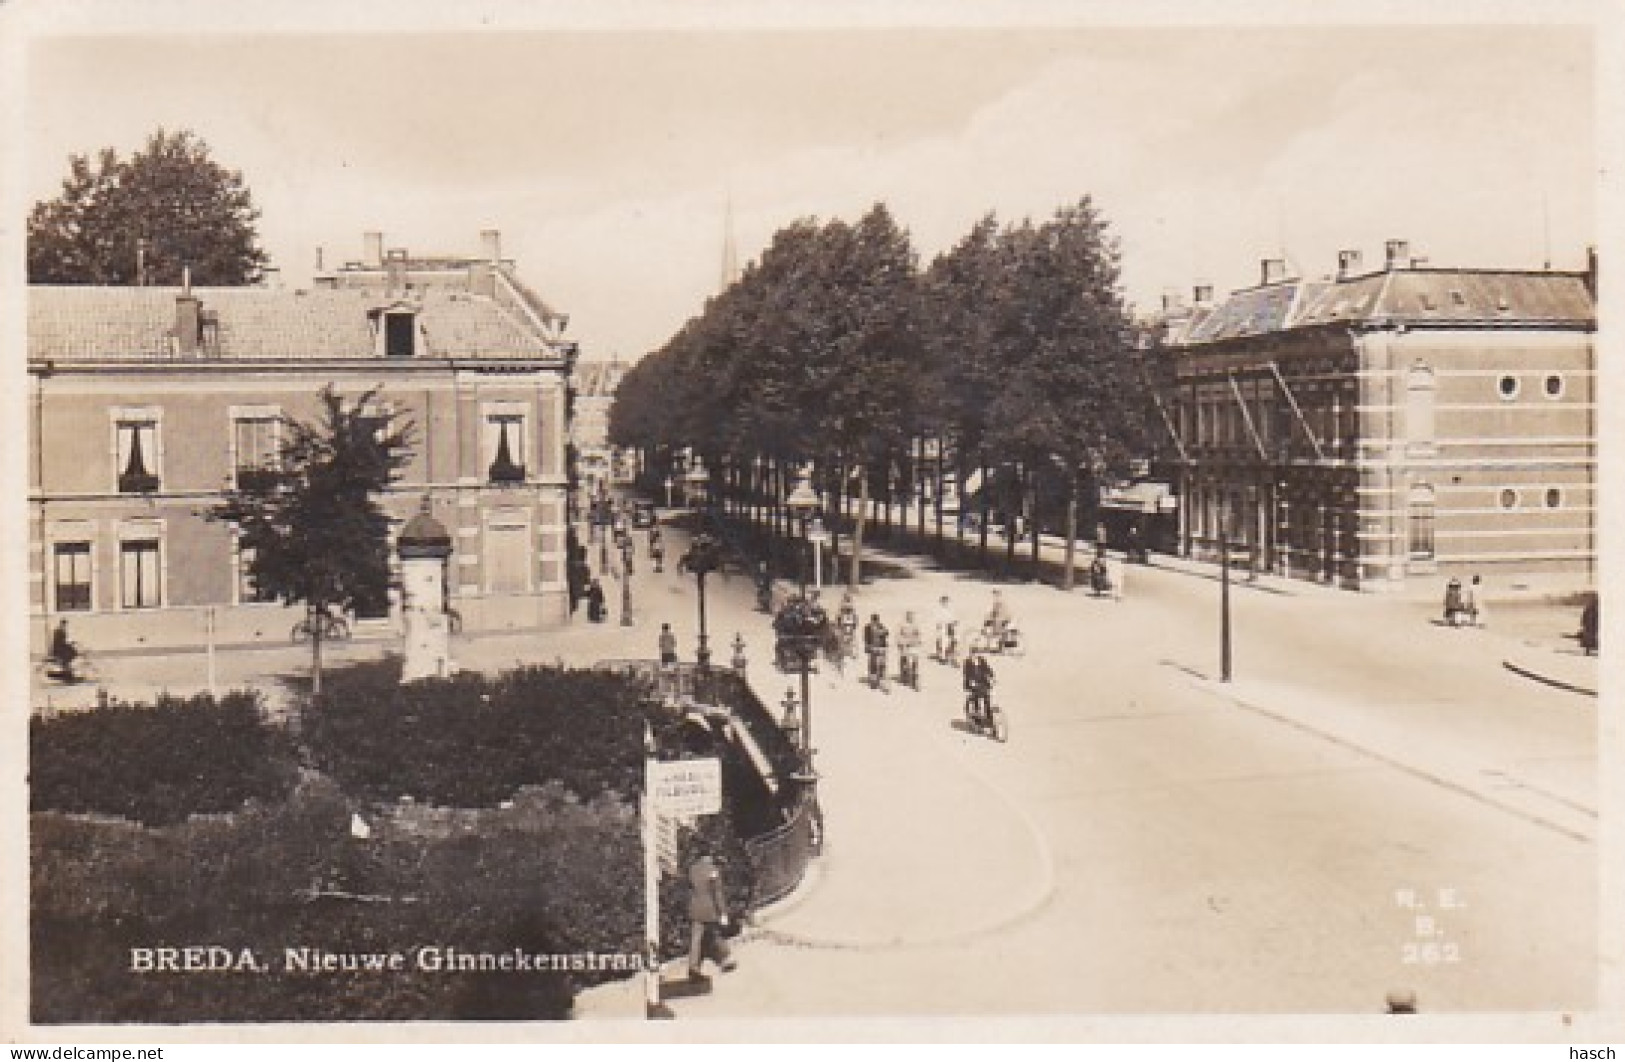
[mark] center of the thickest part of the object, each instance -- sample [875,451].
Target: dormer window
[400,334]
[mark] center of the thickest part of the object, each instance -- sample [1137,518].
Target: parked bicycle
[332,628]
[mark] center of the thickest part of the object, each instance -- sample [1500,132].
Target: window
[1509,498]
[1554,498]
[137,456]
[72,572]
[505,444]
[248,590]
[1419,420]
[1420,522]
[254,445]
[1554,386]
[1508,387]
[139,576]
[400,335]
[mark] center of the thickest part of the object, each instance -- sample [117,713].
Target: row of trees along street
[1011,357]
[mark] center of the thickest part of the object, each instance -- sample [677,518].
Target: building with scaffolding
[1378,426]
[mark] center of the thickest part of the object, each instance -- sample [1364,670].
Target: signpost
[672,790]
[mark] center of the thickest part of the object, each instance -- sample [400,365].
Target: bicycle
[990,722]
[877,670]
[908,668]
[70,672]
[333,629]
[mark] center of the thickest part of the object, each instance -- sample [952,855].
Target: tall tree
[1074,407]
[867,352]
[169,207]
[315,530]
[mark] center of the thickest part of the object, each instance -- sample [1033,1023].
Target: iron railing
[779,857]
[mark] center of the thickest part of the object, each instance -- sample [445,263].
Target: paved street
[1150,840]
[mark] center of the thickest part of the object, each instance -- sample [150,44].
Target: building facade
[149,403]
[599,462]
[1375,427]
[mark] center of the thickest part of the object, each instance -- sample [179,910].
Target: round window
[1509,387]
[1509,498]
[1554,498]
[1554,386]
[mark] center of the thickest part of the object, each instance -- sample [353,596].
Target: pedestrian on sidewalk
[1477,616]
[595,602]
[708,917]
[668,646]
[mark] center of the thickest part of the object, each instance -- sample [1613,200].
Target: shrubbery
[158,764]
[522,832]
[471,741]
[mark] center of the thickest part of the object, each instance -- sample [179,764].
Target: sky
[611,157]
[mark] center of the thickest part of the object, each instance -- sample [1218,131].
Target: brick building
[148,403]
[1373,427]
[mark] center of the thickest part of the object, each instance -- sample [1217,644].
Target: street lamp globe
[803,501]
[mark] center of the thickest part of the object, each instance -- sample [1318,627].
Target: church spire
[730,255]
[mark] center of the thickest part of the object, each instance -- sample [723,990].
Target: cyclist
[764,587]
[979,684]
[846,620]
[63,652]
[908,651]
[947,633]
[875,637]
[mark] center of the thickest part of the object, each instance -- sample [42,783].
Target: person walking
[708,916]
[657,548]
[668,646]
[1477,613]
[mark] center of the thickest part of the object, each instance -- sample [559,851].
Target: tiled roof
[1246,313]
[1419,297]
[258,324]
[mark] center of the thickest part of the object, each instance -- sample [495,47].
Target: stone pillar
[424,546]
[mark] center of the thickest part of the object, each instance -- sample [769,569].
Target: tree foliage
[1013,350]
[167,208]
[317,532]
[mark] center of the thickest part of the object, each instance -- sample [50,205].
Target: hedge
[158,764]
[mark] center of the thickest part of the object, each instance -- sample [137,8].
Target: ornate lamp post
[702,558]
[626,581]
[802,627]
[802,503]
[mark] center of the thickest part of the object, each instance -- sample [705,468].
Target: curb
[1527,672]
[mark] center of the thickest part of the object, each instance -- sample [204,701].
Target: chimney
[1348,263]
[1202,293]
[188,316]
[373,258]
[1272,270]
[395,269]
[491,245]
[1170,300]
[1398,251]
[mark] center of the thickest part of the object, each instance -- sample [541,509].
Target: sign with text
[683,788]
